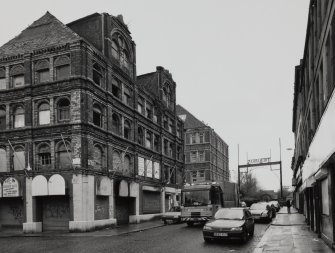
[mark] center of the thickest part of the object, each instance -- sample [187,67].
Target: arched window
[125,59]
[115,123]
[140,135]
[127,129]
[64,156]
[18,117]
[97,157]
[115,50]
[148,139]
[19,160]
[2,118]
[63,109]
[3,160]
[44,156]
[42,71]
[17,76]
[126,164]
[62,66]
[44,114]
[97,115]
[117,161]
[97,74]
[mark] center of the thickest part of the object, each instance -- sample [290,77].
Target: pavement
[290,233]
[118,230]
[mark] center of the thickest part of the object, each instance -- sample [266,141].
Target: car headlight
[264,214]
[208,228]
[237,229]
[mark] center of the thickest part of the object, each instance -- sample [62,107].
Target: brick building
[82,143]
[206,154]
[313,122]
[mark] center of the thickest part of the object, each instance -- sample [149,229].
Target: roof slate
[191,121]
[44,32]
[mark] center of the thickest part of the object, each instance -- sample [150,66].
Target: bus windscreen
[196,198]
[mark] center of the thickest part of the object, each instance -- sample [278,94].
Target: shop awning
[56,185]
[133,189]
[104,187]
[123,189]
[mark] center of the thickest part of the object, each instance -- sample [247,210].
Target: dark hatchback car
[230,223]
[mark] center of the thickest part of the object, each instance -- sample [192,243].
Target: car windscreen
[229,214]
[196,198]
[258,206]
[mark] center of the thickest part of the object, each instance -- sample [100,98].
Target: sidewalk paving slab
[289,233]
[119,230]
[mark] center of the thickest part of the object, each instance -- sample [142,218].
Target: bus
[200,201]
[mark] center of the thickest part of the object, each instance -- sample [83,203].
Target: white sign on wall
[10,187]
[141,166]
[149,168]
[156,170]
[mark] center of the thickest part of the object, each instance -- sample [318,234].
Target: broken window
[64,156]
[19,160]
[97,116]
[140,135]
[127,129]
[44,156]
[97,74]
[148,139]
[63,109]
[115,123]
[116,89]
[97,157]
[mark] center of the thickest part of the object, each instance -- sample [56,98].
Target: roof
[44,32]
[190,121]
[148,82]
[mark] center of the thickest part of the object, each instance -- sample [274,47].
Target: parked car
[276,204]
[230,223]
[261,211]
[173,215]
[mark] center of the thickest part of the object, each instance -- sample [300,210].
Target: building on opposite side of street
[313,123]
[206,154]
[82,144]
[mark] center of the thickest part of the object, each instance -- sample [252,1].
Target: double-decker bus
[200,201]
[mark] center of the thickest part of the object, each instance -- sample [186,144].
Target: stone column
[163,200]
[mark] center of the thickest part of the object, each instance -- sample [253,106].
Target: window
[148,139]
[140,135]
[170,125]
[97,116]
[117,161]
[19,160]
[62,66]
[2,79]
[3,160]
[167,96]
[201,156]
[64,156]
[19,117]
[201,137]
[170,150]
[17,81]
[126,96]
[43,75]
[44,114]
[125,59]
[179,157]
[193,138]
[193,156]
[165,122]
[44,156]
[154,114]
[156,142]
[115,50]
[63,109]
[2,118]
[115,123]
[116,89]
[127,129]
[148,109]
[166,143]
[126,164]
[97,74]
[178,131]
[202,173]
[140,105]
[97,158]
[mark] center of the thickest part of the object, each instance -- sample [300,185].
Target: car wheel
[244,237]
[190,223]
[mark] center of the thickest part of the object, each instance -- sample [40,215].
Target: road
[172,238]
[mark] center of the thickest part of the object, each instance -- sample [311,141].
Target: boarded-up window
[126,164]
[64,156]
[325,196]
[19,159]
[44,114]
[18,117]
[98,157]
[62,65]
[3,160]
[117,161]
[2,83]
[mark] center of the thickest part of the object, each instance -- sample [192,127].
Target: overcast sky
[233,62]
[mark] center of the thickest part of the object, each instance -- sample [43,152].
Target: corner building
[82,144]
[313,123]
[206,154]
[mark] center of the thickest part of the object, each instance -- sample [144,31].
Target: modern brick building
[206,154]
[313,122]
[84,145]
